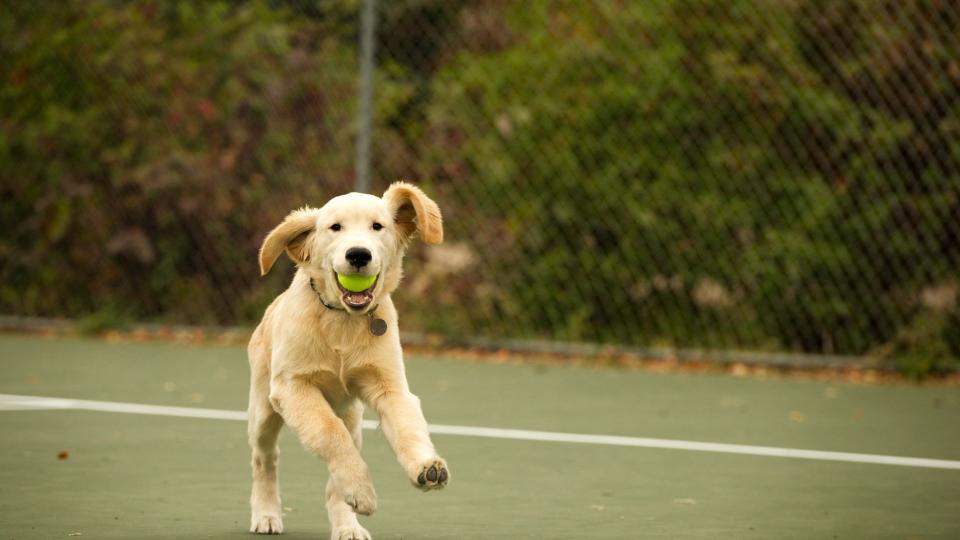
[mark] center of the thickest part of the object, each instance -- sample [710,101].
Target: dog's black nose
[358,257]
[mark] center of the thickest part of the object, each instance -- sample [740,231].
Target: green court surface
[139,476]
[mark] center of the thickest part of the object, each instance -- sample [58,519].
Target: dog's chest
[334,387]
[335,374]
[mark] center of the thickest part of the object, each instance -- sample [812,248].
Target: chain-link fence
[776,176]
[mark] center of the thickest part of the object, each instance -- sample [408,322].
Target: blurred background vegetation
[718,174]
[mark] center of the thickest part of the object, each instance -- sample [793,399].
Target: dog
[321,353]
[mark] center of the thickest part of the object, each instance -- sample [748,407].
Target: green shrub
[699,173]
[146,147]
[692,173]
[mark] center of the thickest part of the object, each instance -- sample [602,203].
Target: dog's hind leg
[343,520]
[263,430]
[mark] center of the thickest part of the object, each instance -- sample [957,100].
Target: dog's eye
[377,226]
[335,227]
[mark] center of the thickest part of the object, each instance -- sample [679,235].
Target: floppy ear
[413,211]
[290,235]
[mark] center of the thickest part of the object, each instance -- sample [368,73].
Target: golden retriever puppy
[322,352]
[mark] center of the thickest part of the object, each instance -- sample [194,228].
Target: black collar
[322,301]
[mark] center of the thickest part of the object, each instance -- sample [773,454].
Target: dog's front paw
[354,532]
[266,524]
[356,489]
[362,498]
[432,474]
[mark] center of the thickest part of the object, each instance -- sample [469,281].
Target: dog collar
[376,325]
[322,301]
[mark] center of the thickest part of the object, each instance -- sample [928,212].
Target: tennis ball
[355,282]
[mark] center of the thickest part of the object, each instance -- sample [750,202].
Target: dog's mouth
[356,299]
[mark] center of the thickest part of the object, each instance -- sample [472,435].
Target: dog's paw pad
[266,525]
[350,533]
[433,475]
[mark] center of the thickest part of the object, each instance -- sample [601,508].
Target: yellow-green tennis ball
[355,282]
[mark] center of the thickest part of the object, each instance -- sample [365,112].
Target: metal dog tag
[378,327]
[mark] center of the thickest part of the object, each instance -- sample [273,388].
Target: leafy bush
[692,173]
[699,177]
[145,148]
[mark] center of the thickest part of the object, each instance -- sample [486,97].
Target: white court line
[15,402]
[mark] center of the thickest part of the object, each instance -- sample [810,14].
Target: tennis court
[166,474]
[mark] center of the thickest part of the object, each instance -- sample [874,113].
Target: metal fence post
[365,132]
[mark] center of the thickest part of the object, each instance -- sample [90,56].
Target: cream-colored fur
[315,368]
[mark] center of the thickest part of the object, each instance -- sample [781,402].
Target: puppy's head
[355,235]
